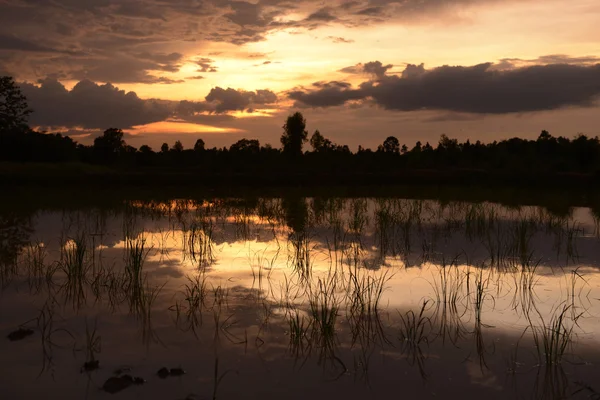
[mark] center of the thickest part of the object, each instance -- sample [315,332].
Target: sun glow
[176,127]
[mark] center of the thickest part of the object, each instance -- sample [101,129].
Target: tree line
[298,152]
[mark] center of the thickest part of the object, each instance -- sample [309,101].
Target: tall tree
[391,145]
[178,146]
[13,106]
[111,141]
[199,146]
[109,144]
[319,143]
[251,146]
[294,134]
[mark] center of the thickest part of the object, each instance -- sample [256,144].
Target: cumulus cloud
[12,42]
[229,99]
[145,68]
[326,94]
[478,89]
[95,106]
[512,63]
[206,65]
[324,14]
[244,14]
[71,36]
[339,39]
[375,68]
[89,105]
[371,11]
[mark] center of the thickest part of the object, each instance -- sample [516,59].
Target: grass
[300,248]
[200,242]
[415,332]
[337,308]
[415,328]
[75,265]
[195,294]
[93,344]
[553,339]
[261,266]
[363,303]
[324,309]
[299,327]
[448,290]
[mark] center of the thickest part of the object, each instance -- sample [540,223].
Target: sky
[359,71]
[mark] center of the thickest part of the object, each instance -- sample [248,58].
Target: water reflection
[313,292]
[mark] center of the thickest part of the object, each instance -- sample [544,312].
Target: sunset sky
[166,70]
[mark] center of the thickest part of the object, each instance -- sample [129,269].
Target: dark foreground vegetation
[27,156]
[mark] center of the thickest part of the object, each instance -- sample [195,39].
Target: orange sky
[178,51]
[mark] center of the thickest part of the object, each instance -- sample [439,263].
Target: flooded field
[297,298]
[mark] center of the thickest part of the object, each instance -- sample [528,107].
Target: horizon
[359,71]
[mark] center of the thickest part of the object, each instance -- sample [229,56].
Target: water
[299,297]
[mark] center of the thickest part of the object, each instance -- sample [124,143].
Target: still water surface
[300,298]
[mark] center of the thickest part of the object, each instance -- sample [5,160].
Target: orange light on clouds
[176,127]
[255,114]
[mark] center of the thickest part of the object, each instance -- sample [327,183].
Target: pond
[300,297]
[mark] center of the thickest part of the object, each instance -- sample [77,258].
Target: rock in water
[19,334]
[89,366]
[138,381]
[163,373]
[122,370]
[115,385]
[177,371]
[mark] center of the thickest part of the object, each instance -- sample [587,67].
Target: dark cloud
[89,105]
[139,9]
[371,11]
[164,62]
[326,94]
[92,106]
[323,15]
[206,65]
[64,29]
[244,14]
[11,42]
[124,69]
[339,39]
[148,30]
[479,89]
[229,99]
[511,63]
[348,5]
[375,68]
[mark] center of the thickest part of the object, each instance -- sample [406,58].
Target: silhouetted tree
[108,146]
[199,146]
[545,135]
[391,145]
[164,148]
[447,144]
[319,143]
[13,106]
[178,147]
[246,146]
[294,134]
[112,139]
